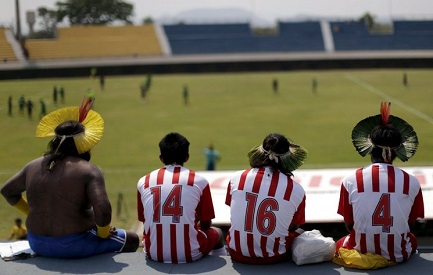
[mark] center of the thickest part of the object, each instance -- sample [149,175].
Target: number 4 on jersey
[382,213]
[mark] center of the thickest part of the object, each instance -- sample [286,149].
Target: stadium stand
[96,42]
[6,51]
[201,39]
[240,38]
[223,47]
[414,35]
[406,35]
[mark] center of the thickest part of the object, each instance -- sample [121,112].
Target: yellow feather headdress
[91,120]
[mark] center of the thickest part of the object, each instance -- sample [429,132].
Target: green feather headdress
[289,161]
[361,134]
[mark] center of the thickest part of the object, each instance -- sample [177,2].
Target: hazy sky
[270,10]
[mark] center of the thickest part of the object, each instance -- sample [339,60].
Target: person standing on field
[10,106]
[101,82]
[275,85]
[405,80]
[185,94]
[29,106]
[43,108]
[381,202]
[314,85]
[212,156]
[55,95]
[22,104]
[62,94]
[266,204]
[175,205]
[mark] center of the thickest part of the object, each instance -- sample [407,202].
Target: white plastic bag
[311,247]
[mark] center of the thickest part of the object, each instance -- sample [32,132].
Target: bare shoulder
[77,169]
[86,167]
[36,161]
[18,181]
[35,164]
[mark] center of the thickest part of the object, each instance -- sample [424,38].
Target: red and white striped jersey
[380,200]
[263,203]
[170,201]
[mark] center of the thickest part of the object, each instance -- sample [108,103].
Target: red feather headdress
[385,111]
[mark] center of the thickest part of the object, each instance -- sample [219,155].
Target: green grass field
[233,111]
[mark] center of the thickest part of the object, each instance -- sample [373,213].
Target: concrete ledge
[136,263]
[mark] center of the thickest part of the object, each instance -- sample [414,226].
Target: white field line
[389,98]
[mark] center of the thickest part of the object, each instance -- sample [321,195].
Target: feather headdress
[289,161]
[362,131]
[91,120]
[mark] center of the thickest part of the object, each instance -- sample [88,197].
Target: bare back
[69,199]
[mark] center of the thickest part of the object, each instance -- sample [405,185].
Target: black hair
[276,143]
[385,136]
[58,150]
[174,149]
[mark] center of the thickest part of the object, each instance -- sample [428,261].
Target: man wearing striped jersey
[175,205]
[380,202]
[266,205]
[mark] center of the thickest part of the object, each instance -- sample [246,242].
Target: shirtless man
[69,213]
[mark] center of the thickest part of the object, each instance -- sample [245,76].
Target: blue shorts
[77,245]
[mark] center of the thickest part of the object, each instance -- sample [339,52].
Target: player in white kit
[266,205]
[175,205]
[380,202]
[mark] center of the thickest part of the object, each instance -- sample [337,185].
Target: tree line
[82,12]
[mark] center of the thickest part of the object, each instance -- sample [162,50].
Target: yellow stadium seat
[97,42]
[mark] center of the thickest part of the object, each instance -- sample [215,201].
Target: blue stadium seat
[406,35]
[240,38]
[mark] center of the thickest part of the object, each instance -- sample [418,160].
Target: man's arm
[345,208]
[417,210]
[298,217]
[205,210]
[349,226]
[204,225]
[12,191]
[228,195]
[140,208]
[99,200]
[293,227]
